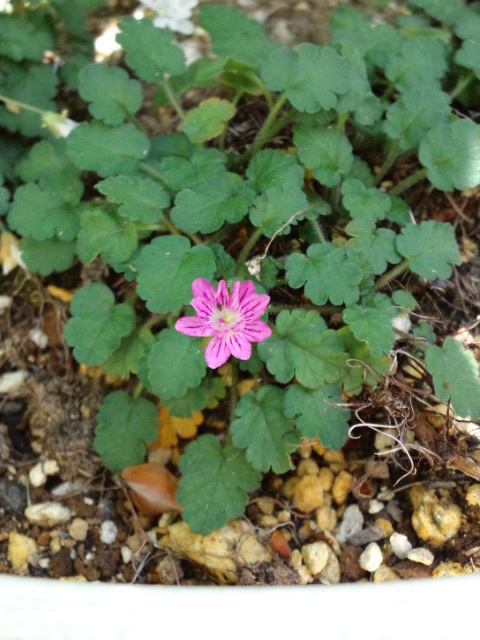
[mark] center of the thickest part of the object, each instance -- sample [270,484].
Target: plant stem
[153,173]
[408,182]
[389,160]
[390,275]
[138,390]
[461,85]
[21,105]
[318,230]
[247,247]
[324,308]
[233,390]
[173,100]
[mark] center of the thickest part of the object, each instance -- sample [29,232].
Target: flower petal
[193,326]
[222,296]
[240,293]
[253,307]
[217,352]
[202,288]
[257,331]
[239,345]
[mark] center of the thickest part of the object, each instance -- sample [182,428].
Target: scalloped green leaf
[97,325]
[303,347]
[320,413]
[125,425]
[215,484]
[46,256]
[131,354]
[421,61]
[372,322]
[364,203]
[205,396]
[182,173]
[271,210]
[264,431]
[327,273]
[24,39]
[378,245]
[176,363]
[140,199]
[113,96]
[271,168]
[455,377]
[166,269]
[430,248]
[451,154]
[103,232]
[208,120]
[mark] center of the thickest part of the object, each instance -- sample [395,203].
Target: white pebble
[38,337]
[422,555]
[402,323]
[371,558]
[5,302]
[351,524]
[127,555]
[401,545]
[47,514]
[38,474]
[12,381]
[108,532]
[375,506]
[315,556]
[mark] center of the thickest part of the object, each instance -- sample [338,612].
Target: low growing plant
[269,234]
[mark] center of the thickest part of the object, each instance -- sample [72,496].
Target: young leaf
[372,321]
[270,211]
[263,430]
[455,377]
[214,485]
[148,50]
[303,347]
[131,354]
[141,199]
[23,39]
[97,325]
[430,247]
[378,245]
[312,77]
[46,256]
[367,204]
[327,273]
[206,395]
[107,150]
[271,168]
[422,61]
[468,56]
[320,413]
[176,363]
[451,153]
[112,94]
[124,426]
[233,34]
[208,120]
[183,173]
[166,269]
[207,205]
[104,232]
[327,151]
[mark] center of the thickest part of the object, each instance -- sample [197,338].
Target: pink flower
[232,319]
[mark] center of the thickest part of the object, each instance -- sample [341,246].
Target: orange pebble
[152,488]
[279,545]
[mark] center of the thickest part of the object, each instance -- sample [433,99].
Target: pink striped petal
[217,352]
[254,306]
[257,331]
[239,345]
[222,294]
[193,326]
[204,307]
[201,288]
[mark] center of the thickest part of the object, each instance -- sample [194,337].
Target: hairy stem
[172,99]
[420,174]
[391,275]
[389,161]
[247,247]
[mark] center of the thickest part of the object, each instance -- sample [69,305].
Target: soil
[51,417]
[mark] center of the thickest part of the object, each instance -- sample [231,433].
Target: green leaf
[141,199]
[327,151]
[112,94]
[455,377]
[417,110]
[363,368]
[442,11]
[206,395]
[124,426]
[103,232]
[208,120]
[176,363]
[214,485]
[303,347]
[263,430]
[22,39]
[313,77]
[270,211]
[166,269]
[131,354]
[327,273]
[107,150]
[97,325]
[233,34]
[378,245]
[430,248]
[364,203]
[207,205]
[271,168]
[468,56]
[148,49]
[320,413]
[202,73]
[183,173]
[372,322]
[451,153]
[422,61]
[42,215]
[46,256]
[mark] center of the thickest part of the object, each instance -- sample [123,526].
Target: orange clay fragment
[152,488]
[279,545]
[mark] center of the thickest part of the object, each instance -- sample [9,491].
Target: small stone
[267,522]
[385,527]
[108,532]
[422,555]
[21,549]
[371,558]
[326,476]
[341,487]
[473,495]
[326,518]
[371,533]
[12,381]
[266,506]
[308,494]
[13,495]
[452,569]
[330,574]
[375,506]
[307,467]
[38,474]
[38,337]
[400,545]
[47,514]
[315,556]
[78,529]
[385,574]
[351,524]
[127,555]
[288,488]
[435,519]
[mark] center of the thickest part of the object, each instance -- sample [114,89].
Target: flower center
[224,318]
